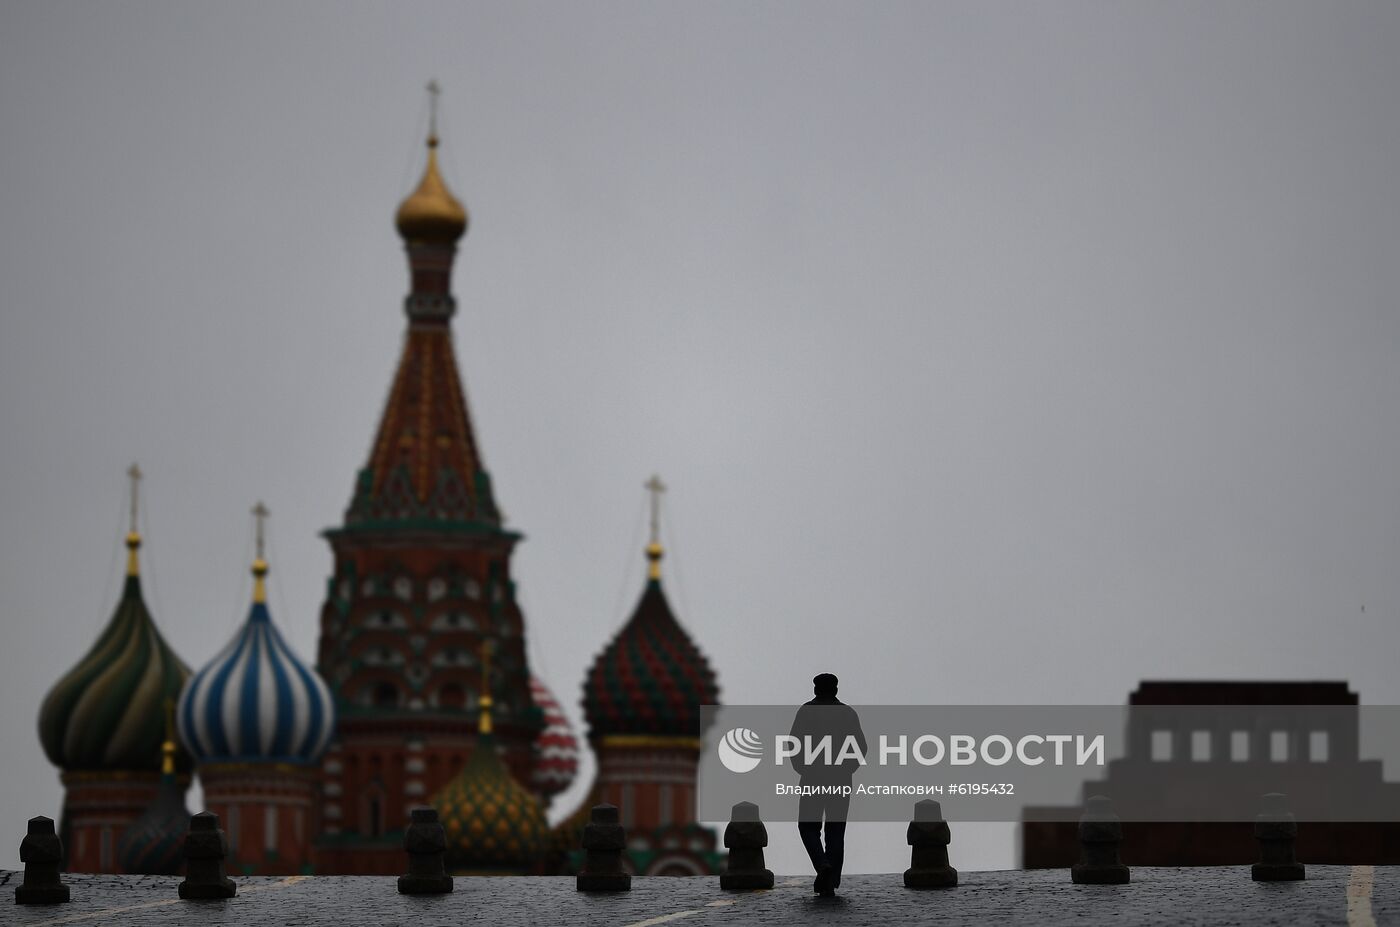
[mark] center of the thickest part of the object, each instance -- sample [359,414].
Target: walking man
[825,716]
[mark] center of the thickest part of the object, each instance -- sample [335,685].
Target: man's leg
[809,824]
[809,827]
[811,833]
[837,807]
[835,848]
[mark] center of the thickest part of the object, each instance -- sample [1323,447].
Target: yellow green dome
[493,823]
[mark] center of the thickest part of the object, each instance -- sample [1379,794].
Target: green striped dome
[108,712]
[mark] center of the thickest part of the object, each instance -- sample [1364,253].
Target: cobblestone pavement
[1331,895]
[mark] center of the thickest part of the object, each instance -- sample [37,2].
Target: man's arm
[800,727]
[855,731]
[860,735]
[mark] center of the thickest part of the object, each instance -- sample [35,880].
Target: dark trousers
[810,811]
[835,852]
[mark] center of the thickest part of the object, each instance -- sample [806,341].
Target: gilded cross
[656,488]
[260,514]
[434,90]
[135,474]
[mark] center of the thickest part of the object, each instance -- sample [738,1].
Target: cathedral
[420,692]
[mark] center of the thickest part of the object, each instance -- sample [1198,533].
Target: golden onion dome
[493,823]
[431,214]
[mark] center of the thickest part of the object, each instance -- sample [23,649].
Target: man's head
[824,685]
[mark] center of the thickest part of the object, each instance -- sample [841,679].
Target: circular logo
[740,750]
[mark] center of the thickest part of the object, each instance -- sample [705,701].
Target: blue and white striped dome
[256,701]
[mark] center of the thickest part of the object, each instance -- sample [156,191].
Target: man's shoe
[823,885]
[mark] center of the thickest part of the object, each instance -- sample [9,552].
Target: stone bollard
[42,854]
[745,838]
[205,849]
[1276,830]
[426,844]
[1100,835]
[603,843]
[929,836]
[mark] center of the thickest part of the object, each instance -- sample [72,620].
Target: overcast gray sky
[993,352]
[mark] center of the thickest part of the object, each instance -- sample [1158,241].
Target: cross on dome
[654,549]
[434,90]
[133,535]
[260,514]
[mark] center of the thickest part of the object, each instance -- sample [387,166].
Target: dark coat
[823,717]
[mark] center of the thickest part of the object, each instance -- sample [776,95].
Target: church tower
[103,724]
[421,580]
[642,699]
[258,720]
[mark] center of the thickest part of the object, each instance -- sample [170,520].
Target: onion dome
[651,679]
[431,214]
[256,701]
[105,714]
[493,823]
[154,844]
[556,748]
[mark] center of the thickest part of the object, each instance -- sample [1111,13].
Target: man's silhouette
[825,716]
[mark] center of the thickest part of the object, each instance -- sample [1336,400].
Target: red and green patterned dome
[651,679]
[555,748]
